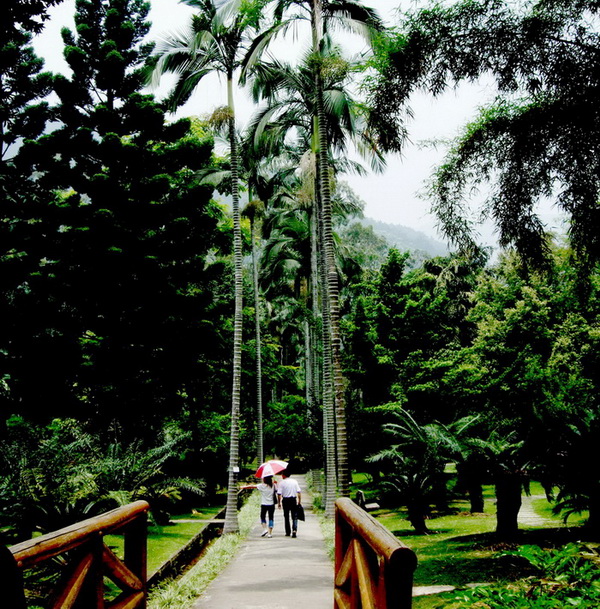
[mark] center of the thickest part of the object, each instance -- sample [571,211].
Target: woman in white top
[268,492]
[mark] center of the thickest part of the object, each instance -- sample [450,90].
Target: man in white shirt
[290,497]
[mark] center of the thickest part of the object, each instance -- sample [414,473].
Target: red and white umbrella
[270,468]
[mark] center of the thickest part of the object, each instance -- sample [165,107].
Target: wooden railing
[89,560]
[373,569]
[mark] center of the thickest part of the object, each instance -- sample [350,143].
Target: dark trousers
[289,509]
[267,510]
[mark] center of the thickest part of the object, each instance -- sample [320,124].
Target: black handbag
[300,511]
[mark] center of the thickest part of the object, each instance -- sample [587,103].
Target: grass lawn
[455,552]
[203,513]
[165,541]
[461,548]
[433,601]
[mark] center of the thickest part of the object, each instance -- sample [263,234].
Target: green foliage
[112,263]
[401,319]
[24,110]
[514,346]
[565,577]
[538,139]
[288,431]
[126,473]
[414,464]
[46,481]
[368,248]
[58,475]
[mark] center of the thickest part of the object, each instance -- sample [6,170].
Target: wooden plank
[383,581]
[34,551]
[130,601]
[341,600]
[136,552]
[96,577]
[340,543]
[365,526]
[363,574]
[74,583]
[119,573]
[341,577]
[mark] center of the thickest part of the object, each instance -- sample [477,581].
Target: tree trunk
[260,453]
[328,404]
[469,479]
[308,373]
[231,519]
[331,286]
[508,504]
[475,491]
[416,517]
[316,310]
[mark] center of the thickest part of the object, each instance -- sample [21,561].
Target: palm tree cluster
[288,159]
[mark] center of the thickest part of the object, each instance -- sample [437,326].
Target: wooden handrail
[373,569]
[89,559]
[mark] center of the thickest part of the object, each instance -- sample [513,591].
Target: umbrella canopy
[270,468]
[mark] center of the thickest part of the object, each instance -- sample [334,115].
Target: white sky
[389,197]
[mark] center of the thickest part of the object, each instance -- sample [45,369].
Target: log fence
[88,560]
[373,569]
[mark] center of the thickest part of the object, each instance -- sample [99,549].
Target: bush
[566,577]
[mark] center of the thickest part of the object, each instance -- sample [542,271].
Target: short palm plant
[129,473]
[415,462]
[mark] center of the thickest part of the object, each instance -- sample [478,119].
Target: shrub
[565,577]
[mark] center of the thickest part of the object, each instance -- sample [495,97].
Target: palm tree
[253,212]
[417,456]
[310,91]
[215,42]
[509,465]
[353,16]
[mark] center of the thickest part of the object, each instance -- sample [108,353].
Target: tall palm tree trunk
[331,286]
[315,308]
[314,345]
[508,504]
[328,401]
[231,519]
[308,374]
[260,452]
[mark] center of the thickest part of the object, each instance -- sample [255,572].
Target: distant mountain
[405,239]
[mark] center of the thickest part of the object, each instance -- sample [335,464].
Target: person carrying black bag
[289,497]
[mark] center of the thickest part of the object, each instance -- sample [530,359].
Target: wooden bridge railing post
[90,560]
[136,555]
[373,569]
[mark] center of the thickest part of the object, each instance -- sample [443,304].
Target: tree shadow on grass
[478,558]
[545,537]
[463,570]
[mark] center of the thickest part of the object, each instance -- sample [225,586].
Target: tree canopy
[537,140]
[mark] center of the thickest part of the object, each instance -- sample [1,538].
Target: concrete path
[276,573]
[529,518]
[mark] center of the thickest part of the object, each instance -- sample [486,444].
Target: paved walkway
[282,572]
[276,573]
[529,518]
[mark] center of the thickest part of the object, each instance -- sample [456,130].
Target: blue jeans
[270,510]
[289,509]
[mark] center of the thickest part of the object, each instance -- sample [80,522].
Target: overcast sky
[389,197]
